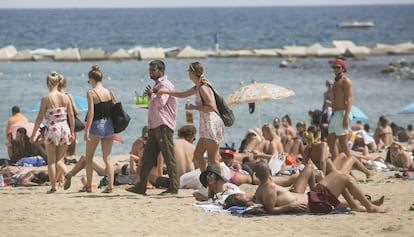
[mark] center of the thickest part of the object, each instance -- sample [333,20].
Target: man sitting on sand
[322,198]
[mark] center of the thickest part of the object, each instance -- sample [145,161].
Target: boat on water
[356,24]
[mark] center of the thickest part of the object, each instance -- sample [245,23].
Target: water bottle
[2,184]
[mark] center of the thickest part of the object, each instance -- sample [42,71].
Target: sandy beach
[32,212]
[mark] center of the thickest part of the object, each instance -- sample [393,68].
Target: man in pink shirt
[162,117]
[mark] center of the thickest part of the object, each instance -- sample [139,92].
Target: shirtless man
[327,95]
[341,106]
[321,199]
[278,128]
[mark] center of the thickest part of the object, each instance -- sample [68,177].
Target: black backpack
[224,111]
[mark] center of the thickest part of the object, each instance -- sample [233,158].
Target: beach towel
[210,206]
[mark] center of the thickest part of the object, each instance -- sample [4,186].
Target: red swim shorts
[321,200]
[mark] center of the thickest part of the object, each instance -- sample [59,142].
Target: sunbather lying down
[322,198]
[24,176]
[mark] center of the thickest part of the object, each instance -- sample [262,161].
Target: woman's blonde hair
[269,127]
[52,79]
[198,69]
[62,82]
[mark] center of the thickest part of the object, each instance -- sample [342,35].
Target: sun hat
[213,168]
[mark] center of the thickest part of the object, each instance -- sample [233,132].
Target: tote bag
[79,126]
[120,117]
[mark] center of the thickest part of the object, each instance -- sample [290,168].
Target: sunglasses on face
[336,67]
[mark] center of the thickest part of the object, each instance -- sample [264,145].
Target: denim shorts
[102,128]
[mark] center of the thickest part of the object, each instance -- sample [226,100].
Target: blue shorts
[335,124]
[102,128]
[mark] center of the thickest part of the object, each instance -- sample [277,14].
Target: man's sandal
[67,184]
[108,190]
[87,189]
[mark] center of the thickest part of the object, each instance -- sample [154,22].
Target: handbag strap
[112,96]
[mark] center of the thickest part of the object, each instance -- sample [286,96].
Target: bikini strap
[97,95]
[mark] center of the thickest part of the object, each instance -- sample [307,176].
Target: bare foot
[371,173]
[379,202]
[378,209]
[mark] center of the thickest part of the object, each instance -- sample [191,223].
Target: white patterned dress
[57,128]
[211,126]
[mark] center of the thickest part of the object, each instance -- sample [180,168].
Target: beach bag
[79,125]
[224,111]
[275,163]
[120,117]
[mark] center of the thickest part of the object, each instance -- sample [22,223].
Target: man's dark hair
[15,109]
[41,177]
[159,64]
[187,131]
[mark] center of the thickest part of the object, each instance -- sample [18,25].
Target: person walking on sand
[211,128]
[162,119]
[99,127]
[338,128]
[56,108]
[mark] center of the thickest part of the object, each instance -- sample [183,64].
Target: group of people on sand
[277,163]
[284,163]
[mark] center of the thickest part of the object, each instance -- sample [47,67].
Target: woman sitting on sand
[271,146]
[383,133]
[289,135]
[315,150]
[21,147]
